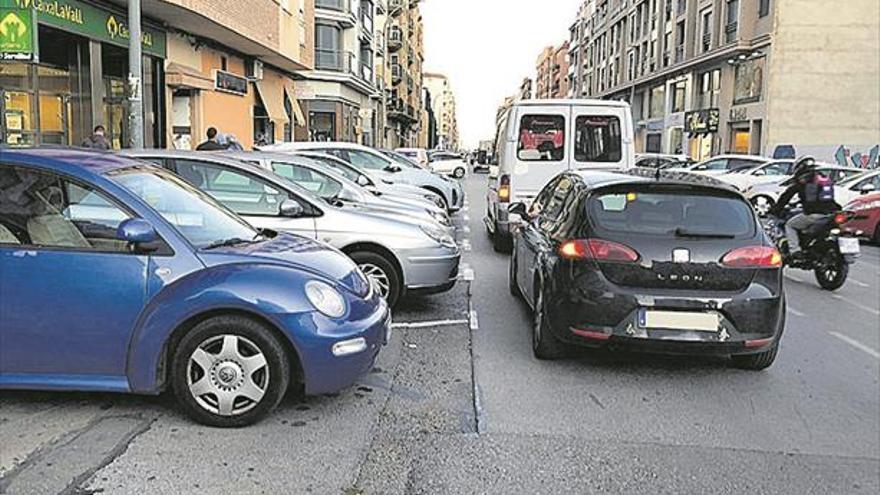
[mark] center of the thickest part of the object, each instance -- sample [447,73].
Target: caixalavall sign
[93,22]
[18,32]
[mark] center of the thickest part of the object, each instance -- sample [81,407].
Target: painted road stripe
[796,312]
[873,311]
[860,284]
[429,324]
[474,321]
[856,344]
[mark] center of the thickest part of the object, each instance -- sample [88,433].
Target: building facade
[745,76]
[402,69]
[445,110]
[551,80]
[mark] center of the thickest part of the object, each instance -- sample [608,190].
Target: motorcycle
[825,250]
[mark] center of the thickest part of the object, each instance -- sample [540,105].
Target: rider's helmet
[804,167]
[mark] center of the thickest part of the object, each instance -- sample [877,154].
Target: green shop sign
[18,32]
[93,22]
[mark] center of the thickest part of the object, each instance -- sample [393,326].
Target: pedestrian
[97,141]
[211,144]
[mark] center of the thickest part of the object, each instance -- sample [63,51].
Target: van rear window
[597,139]
[541,138]
[668,212]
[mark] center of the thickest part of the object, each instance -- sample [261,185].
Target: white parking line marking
[465,245]
[465,230]
[429,324]
[796,312]
[860,284]
[474,321]
[855,343]
[873,311]
[466,218]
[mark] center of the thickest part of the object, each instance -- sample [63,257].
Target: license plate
[679,320]
[849,245]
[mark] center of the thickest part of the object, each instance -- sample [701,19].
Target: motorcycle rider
[816,195]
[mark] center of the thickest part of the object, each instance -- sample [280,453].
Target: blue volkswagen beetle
[116,275]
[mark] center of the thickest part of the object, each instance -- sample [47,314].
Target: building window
[658,102]
[706,39]
[653,143]
[710,88]
[730,29]
[679,91]
[764,8]
[327,47]
[749,81]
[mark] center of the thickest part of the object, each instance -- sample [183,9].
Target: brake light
[597,249]
[504,189]
[753,257]
[841,218]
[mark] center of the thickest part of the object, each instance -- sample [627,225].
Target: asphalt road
[457,404]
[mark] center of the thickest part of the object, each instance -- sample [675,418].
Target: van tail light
[504,189]
[753,257]
[597,249]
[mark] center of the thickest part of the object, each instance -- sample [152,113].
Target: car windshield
[672,212]
[196,215]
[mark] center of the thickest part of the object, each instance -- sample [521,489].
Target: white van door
[540,137]
[601,137]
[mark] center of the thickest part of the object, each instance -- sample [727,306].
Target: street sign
[18,31]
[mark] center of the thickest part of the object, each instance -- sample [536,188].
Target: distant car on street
[419,155]
[866,222]
[448,163]
[661,161]
[723,164]
[671,264]
[859,185]
[772,171]
[118,276]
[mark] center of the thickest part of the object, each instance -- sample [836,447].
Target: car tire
[545,345]
[380,270]
[833,272]
[757,362]
[876,237]
[458,173]
[500,242]
[231,374]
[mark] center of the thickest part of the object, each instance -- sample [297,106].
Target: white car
[448,163]
[774,171]
[419,155]
[763,196]
[850,189]
[723,164]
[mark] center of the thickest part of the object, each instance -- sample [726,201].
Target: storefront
[701,127]
[74,75]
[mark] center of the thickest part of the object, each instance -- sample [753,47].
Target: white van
[538,139]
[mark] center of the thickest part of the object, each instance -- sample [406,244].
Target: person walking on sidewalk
[211,144]
[97,141]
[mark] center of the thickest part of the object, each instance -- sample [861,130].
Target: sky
[486,48]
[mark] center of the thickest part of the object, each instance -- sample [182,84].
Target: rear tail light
[841,218]
[592,334]
[597,249]
[504,189]
[753,257]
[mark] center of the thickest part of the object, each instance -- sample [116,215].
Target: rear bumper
[430,270]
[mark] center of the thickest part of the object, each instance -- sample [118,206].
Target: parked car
[723,164]
[763,196]
[419,155]
[384,168]
[399,254]
[447,163]
[332,186]
[661,161]
[852,188]
[533,148]
[866,220]
[772,171]
[670,264]
[153,285]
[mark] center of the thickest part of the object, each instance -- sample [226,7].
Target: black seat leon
[655,261]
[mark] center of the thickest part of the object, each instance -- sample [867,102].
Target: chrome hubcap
[378,278]
[227,375]
[762,205]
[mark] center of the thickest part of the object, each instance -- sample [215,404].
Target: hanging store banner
[93,22]
[18,31]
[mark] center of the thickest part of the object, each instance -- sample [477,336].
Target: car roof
[605,178]
[570,102]
[91,161]
[742,157]
[312,145]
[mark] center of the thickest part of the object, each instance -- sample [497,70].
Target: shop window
[710,88]
[749,81]
[741,141]
[653,143]
[658,102]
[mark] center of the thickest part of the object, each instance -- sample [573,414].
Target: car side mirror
[362,180]
[868,188]
[518,208]
[392,169]
[291,209]
[759,173]
[136,231]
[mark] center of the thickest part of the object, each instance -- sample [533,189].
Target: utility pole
[135,84]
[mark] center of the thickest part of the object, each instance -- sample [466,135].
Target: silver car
[401,255]
[330,185]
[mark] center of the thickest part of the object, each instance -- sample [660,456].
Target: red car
[867,219]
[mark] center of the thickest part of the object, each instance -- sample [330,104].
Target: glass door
[115,112]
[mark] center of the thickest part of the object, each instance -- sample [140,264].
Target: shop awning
[297,109]
[272,96]
[182,76]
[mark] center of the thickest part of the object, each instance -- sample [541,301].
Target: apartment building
[403,63]
[525,89]
[551,80]
[444,109]
[745,76]
[206,63]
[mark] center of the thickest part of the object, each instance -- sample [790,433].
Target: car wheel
[762,204]
[458,173]
[229,371]
[757,362]
[544,344]
[876,237]
[381,274]
[500,242]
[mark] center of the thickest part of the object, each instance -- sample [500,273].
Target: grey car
[330,185]
[400,254]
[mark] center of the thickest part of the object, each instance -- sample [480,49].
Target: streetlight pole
[135,84]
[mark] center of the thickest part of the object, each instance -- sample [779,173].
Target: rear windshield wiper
[680,232]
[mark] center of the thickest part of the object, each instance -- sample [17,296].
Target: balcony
[396,73]
[395,39]
[341,11]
